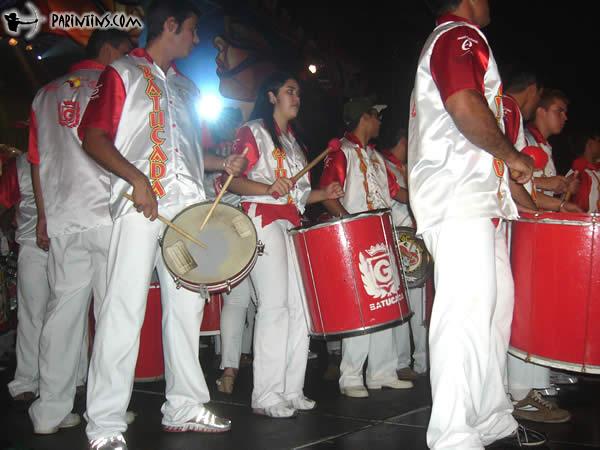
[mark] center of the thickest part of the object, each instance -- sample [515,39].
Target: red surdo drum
[211,320]
[352,276]
[556,268]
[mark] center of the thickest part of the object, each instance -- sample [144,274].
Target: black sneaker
[521,438]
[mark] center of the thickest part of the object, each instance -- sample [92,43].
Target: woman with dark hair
[275,154]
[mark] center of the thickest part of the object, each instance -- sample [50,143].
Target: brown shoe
[24,397]
[536,409]
[245,360]
[225,384]
[407,374]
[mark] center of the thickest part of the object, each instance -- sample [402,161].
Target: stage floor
[388,419]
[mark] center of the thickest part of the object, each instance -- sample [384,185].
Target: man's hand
[521,167]
[41,234]
[333,191]
[281,187]
[235,165]
[144,198]
[573,183]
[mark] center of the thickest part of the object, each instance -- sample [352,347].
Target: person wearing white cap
[368,184]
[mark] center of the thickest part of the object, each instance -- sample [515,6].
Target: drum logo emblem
[378,272]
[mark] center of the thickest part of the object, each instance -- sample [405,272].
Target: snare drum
[556,267]
[231,252]
[352,276]
[416,260]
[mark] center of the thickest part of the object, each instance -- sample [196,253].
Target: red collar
[453,18]
[278,130]
[143,53]
[539,137]
[582,164]
[356,141]
[392,158]
[86,64]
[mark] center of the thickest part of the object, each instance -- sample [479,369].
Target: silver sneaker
[205,422]
[110,443]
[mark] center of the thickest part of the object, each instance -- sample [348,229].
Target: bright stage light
[29,47]
[209,107]
[12,42]
[39,57]
[312,68]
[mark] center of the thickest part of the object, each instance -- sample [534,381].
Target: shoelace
[538,398]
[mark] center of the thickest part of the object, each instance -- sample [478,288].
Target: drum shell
[556,268]
[333,274]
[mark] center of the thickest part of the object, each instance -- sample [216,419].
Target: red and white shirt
[588,195]
[16,189]
[401,215]
[74,187]
[514,129]
[450,177]
[534,137]
[150,116]
[361,170]
[266,163]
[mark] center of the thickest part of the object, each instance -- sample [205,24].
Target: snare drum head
[230,238]
[416,260]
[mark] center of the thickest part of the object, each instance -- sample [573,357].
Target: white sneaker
[355,391]
[111,443]
[392,384]
[279,411]
[562,378]
[70,420]
[302,403]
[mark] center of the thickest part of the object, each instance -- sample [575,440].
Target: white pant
[469,334]
[134,251]
[524,376]
[248,335]
[233,321]
[416,297]
[379,347]
[33,292]
[280,333]
[76,268]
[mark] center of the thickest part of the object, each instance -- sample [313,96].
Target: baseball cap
[356,107]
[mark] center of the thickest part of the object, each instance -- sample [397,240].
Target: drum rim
[554,363]
[363,330]
[560,218]
[343,219]
[221,286]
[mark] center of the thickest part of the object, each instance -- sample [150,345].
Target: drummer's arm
[233,164]
[547,203]
[522,198]
[402,195]
[335,208]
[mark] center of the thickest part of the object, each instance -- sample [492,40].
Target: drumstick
[172,225]
[218,199]
[333,144]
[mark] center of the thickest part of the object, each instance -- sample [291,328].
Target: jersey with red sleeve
[514,129]
[150,116]
[401,214]
[450,177]
[588,194]
[266,163]
[361,170]
[74,187]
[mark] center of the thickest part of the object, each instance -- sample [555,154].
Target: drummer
[159,162]
[588,168]
[395,159]
[549,119]
[274,203]
[368,185]
[527,381]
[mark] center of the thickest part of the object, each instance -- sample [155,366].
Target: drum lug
[228,288]
[160,241]
[260,248]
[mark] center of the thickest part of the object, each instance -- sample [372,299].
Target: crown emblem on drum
[374,249]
